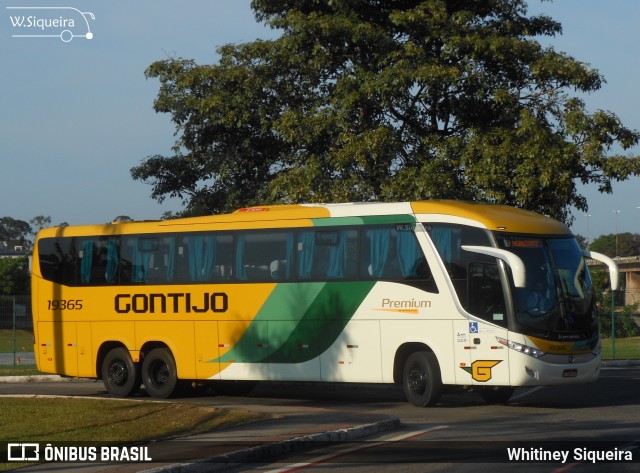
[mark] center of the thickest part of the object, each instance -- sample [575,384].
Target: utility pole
[616,212]
[588,219]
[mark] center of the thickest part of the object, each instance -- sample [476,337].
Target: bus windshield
[557,301]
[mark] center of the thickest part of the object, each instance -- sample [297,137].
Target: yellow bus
[420,294]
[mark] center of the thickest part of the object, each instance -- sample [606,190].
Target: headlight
[527,350]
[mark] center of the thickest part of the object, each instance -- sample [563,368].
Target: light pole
[613,297]
[616,212]
[588,219]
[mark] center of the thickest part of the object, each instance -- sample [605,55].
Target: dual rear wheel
[120,374]
[122,377]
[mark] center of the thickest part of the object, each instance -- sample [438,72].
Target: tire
[120,375]
[421,379]
[159,374]
[497,395]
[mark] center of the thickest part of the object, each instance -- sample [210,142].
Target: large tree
[622,244]
[14,233]
[361,100]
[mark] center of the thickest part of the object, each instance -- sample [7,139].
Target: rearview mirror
[515,263]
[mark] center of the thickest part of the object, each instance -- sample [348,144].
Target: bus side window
[98,261]
[264,256]
[394,254]
[328,254]
[142,259]
[203,257]
[161,260]
[485,298]
[379,260]
[475,277]
[58,260]
[223,269]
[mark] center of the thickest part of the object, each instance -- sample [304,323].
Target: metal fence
[16,331]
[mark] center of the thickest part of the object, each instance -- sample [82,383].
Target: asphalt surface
[295,429]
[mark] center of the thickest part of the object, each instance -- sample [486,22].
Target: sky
[76,113]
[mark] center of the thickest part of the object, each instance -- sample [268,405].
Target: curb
[269,451]
[620,363]
[35,378]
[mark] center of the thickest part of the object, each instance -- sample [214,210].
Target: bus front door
[480,359]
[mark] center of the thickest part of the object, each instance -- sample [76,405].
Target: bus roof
[494,216]
[491,216]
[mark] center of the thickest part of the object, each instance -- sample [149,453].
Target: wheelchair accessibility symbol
[473,327]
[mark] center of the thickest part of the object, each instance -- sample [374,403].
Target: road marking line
[324,458]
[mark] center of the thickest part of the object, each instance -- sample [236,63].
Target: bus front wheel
[120,374]
[159,374]
[421,379]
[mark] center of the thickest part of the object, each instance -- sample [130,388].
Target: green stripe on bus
[302,321]
[368,220]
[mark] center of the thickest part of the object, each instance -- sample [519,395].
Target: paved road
[462,427]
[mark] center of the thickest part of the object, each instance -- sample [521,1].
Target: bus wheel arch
[402,353]
[159,372]
[119,373]
[416,368]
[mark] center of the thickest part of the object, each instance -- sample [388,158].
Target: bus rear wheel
[120,374]
[421,379]
[159,374]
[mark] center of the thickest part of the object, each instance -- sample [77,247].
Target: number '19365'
[64,304]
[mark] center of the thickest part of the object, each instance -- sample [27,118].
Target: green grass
[90,420]
[109,420]
[626,348]
[18,370]
[23,339]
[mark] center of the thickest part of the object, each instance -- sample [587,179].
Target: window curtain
[442,239]
[202,257]
[338,258]
[289,255]
[241,271]
[305,254]
[171,259]
[141,262]
[380,240]
[408,253]
[112,261]
[85,263]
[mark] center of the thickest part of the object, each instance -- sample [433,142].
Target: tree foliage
[625,324]
[361,100]
[14,232]
[612,245]
[15,278]
[39,222]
